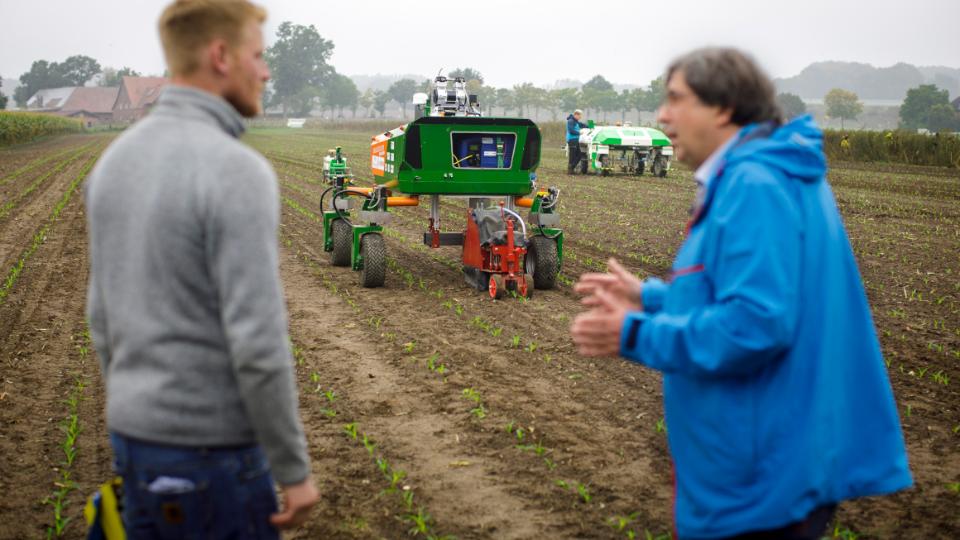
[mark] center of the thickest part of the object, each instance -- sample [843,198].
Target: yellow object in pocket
[102,512]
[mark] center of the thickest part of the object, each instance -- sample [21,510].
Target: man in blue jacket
[574,156]
[777,400]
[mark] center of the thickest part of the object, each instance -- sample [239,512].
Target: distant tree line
[597,97]
[925,106]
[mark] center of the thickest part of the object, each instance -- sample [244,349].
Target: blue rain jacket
[573,128]
[776,394]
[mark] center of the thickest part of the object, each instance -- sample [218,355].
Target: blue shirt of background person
[574,125]
[777,400]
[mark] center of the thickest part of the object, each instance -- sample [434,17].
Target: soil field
[433,410]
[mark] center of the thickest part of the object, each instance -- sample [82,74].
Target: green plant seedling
[396,476]
[620,523]
[351,430]
[584,493]
[369,445]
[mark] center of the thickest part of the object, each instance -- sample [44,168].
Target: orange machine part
[472,254]
[403,201]
[524,202]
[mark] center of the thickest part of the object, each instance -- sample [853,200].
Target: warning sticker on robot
[378,158]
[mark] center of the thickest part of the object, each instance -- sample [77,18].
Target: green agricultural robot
[626,149]
[451,150]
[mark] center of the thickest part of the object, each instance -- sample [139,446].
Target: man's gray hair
[730,79]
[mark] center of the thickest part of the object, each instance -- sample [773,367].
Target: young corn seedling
[584,493]
[515,341]
[396,476]
[351,430]
[620,523]
[421,522]
[369,445]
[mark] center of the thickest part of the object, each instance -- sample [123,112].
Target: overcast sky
[513,41]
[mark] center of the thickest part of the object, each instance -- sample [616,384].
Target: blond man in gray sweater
[185,304]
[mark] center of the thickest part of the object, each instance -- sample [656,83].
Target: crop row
[415,516]
[64,485]
[12,203]
[41,235]
[36,163]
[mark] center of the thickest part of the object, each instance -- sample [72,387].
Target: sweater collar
[188,102]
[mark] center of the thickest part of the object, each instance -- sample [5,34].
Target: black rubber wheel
[374,253]
[640,168]
[342,234]
[541,262]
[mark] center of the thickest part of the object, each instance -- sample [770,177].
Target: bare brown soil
[551,421]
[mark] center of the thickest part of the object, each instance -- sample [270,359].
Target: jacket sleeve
[97,323]
[752,315]
[95,310]
[652,293]
[244,262]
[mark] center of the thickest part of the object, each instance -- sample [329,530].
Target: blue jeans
[176,492]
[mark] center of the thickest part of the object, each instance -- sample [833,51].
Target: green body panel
[632,136]
[429,168]
[600,141]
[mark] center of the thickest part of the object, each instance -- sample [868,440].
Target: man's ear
[724,117]
[219,56]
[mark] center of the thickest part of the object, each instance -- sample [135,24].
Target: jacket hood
[796,148]
[571,117]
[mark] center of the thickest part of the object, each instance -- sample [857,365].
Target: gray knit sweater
[184,303]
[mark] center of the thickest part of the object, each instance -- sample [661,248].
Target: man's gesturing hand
[618,282]
[298,499]
[597,332]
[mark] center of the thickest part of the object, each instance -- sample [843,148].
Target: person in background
[185,305]
[777,400]
[574,156]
